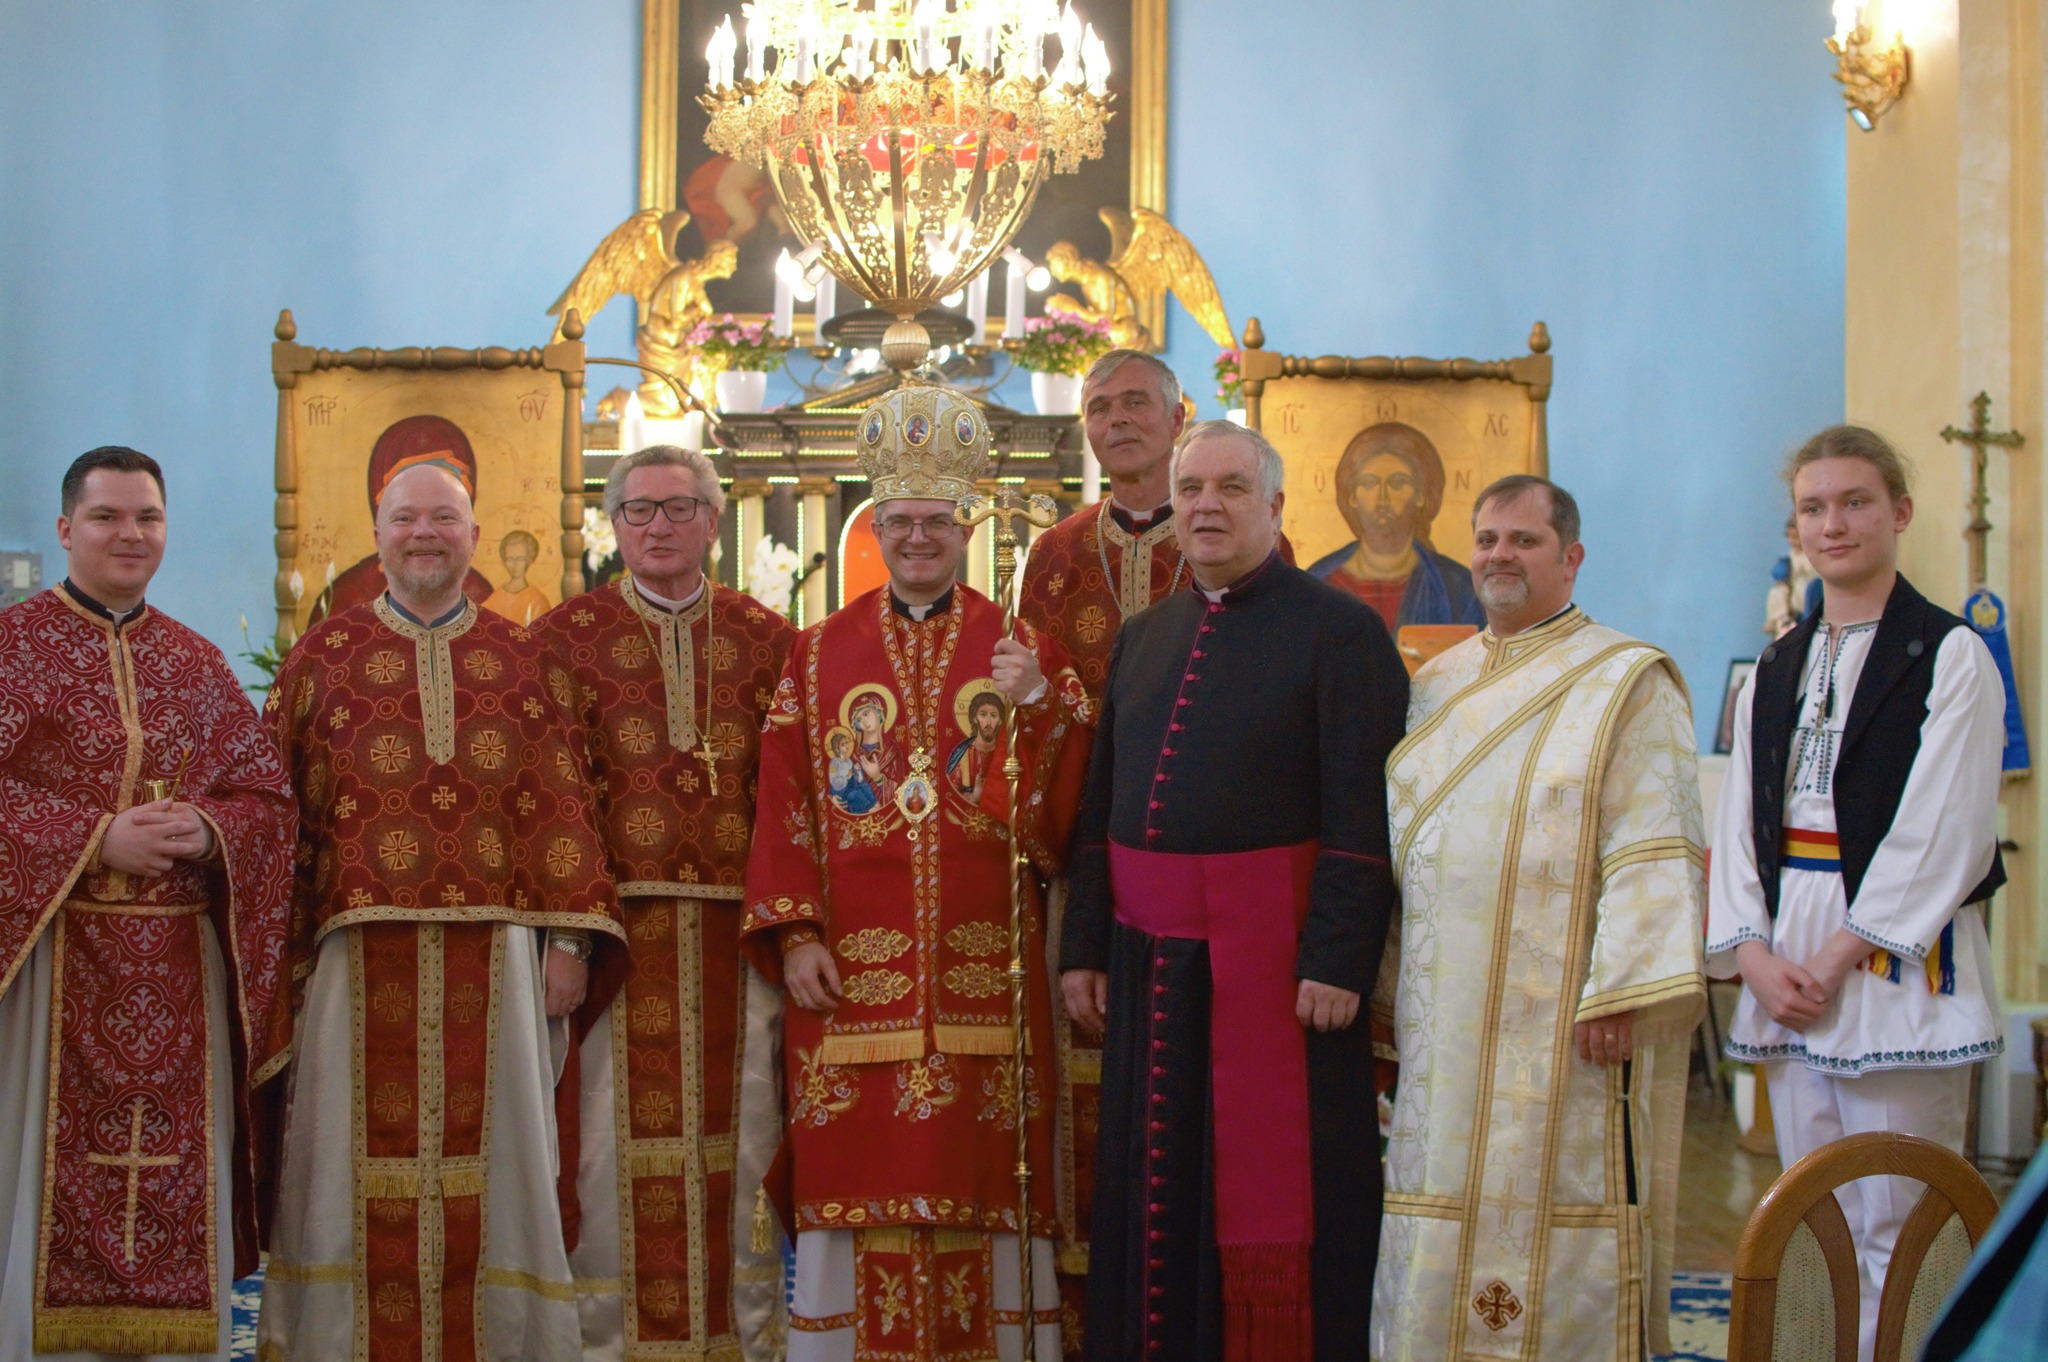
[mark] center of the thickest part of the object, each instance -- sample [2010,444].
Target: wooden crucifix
[1979,437]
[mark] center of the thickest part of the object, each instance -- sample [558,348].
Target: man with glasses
[672,674]
[888,921]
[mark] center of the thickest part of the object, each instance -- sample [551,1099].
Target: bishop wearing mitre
[145,874]
[452,888]
[673,673]
[878,893]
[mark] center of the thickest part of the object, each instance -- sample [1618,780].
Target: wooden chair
[1796,1293]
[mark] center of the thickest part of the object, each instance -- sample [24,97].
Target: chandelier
[907,142]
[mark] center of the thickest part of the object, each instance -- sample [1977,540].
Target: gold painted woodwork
[290,362]
[1149,258]
[638,258]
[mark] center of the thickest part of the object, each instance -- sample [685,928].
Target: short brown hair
[112,458]
[1853,442]
[1564,507]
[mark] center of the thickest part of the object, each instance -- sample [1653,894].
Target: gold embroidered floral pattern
[488,749]
[999,1097]
[892,1298]
[731,831]
[924,1087]
[389,754]
[391,1002]
[392,1102]
[490,848]
[977,979]
[877,986]
[482,666]
[466,1003]
[978,938]
[959,1301]
[798,827]
[821,1090]
[873,945]
[399,849]
[384,667]
[636,736]
[644,826]
[564,857]
[652,1017]
[632,650]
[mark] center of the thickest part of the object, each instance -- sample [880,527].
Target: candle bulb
[926,49]
[720,55]
[785,296]
[802,65]
[977,308]
[1095,59]
[827,306]
[1015,267]
[863,50]
[756,52]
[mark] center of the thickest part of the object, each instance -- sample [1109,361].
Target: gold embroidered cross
[134,1161]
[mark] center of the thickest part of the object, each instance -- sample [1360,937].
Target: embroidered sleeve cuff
[782,910]
[1916,954]
[797,934]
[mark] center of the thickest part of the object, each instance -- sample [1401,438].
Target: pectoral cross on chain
[707,754]
[134,1161]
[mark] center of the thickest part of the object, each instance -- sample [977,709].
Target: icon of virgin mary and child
[864,764]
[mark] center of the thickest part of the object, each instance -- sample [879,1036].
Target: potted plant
[744,355]
[1058,348]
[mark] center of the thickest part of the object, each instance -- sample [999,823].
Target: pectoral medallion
[917,797]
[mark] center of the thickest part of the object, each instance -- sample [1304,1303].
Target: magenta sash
[1249,907]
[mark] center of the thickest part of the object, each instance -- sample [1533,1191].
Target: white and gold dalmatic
[1545,813]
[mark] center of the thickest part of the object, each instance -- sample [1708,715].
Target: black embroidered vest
[1879,740]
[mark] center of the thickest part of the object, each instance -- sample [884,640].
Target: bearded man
[888,921]
[145,881]
[673,674]
[452,886]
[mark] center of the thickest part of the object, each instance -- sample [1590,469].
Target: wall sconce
[1872,76]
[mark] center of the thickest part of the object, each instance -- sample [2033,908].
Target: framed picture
[728,201]
[1739,671]
[1383,459]
[507,422]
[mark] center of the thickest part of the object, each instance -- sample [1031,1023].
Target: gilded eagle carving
[638,259]
[1148,258]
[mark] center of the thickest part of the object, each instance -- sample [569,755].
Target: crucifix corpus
[1984,611]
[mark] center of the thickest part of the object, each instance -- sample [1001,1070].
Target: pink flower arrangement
[735,344]
[1061,343]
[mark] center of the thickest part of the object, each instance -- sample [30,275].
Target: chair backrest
[1796,1292]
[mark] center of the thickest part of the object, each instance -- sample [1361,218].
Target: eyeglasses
[679,510]
[934,526]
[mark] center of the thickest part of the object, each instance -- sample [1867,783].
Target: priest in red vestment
[452,887]
[879,894]
[673,674]
[145,877]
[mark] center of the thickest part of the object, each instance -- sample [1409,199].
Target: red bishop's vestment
[444,818]
[669,1168]
[902,1109]
[154,1003]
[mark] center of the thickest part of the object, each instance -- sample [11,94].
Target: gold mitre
[922,441]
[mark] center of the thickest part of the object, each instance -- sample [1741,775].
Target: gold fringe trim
[391,1184]
[884,1048]
[974,1040]
[718,1153]
[883,1239]
[1072,1261]
[462,1179]
[764,1224]
[659,1162]
[946,1240]
[95,1329]
[1085,1066]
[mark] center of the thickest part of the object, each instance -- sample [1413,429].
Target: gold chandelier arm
[687,399]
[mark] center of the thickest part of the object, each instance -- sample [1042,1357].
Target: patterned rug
[1699,1317]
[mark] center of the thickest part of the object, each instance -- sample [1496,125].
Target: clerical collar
[920,613]
[1238,589]
[1138,522]
[416,621]
[664,603]
[1533,630]
[117,618]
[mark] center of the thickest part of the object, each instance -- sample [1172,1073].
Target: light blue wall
[173,174]
[1662,184]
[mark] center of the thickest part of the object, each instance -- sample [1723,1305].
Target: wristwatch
[575,945]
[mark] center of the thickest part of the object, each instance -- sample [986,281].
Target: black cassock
[1263,720]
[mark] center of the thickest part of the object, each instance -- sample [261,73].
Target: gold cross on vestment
[709,756]
[134,1161]
[1977,437]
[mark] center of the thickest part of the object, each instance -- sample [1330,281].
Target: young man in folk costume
[452,887]
[145,884]
[1857,844]
[672,674]
[891,932]
[1546,826]
[1230,895]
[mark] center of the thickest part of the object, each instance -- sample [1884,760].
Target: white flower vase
[1056,394]
[742,390]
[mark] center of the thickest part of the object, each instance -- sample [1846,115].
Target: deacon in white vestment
[1856,844]
[1546,836]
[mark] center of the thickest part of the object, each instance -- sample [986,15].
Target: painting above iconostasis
[497,420]
[1384,457]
